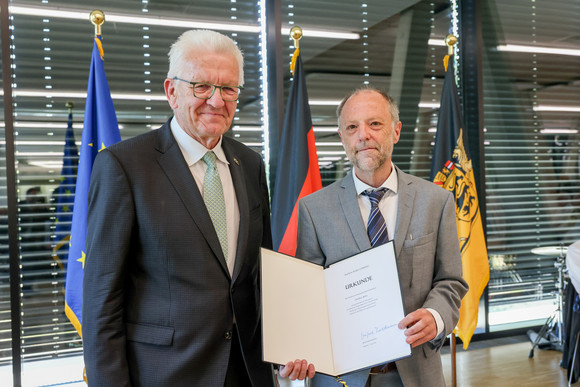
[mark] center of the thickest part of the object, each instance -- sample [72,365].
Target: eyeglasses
[204,90]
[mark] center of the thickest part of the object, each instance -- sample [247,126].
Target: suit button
[228,335]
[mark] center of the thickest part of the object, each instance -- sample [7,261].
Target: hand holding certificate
[349,321]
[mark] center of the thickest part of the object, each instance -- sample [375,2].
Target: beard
[369,156]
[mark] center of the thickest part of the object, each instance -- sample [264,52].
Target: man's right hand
[298,369]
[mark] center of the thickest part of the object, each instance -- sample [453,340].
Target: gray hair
[203,41]
[393,108]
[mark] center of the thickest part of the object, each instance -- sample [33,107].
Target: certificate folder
[341,319]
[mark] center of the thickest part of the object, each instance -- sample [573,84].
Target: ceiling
[52,55]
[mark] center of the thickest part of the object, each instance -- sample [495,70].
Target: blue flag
[64,195]
[100,130]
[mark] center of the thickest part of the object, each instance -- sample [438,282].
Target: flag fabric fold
[63,195]
[297,173]
[100,130]
[451,169]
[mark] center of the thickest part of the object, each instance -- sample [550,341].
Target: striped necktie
[377,228]
[213,197]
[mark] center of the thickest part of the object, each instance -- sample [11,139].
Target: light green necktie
[213,197]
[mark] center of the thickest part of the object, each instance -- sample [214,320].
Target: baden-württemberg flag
[99,131]
[451,169]
[64,194]
[297,173]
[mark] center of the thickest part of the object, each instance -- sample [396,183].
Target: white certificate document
[341,319]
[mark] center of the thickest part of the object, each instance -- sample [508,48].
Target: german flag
[297,173]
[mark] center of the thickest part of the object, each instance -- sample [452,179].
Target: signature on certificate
[372,333]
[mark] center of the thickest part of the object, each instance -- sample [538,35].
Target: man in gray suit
[348,217]
[171,293]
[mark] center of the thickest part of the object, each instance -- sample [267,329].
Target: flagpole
[296,35]
[70,105]
[450,41]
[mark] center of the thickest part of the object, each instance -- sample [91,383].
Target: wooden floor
[505,362]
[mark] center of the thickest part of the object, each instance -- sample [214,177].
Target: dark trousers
[237,375]
[391,379]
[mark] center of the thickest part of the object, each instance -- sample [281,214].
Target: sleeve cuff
[438,321]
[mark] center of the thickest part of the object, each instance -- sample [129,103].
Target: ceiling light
[57,12]
[119,18]
[83,95]
[38,154]
[436,42]
[324,102]
[315,33]
[331,129]
[521,48]
[547,108]
[45,125]
[538,50]
[431,105]
[20,143]
[559,131]
[46,164]
[330,153]
[238,128]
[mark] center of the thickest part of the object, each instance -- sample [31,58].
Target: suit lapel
[175,168]
[237,172]
[349,203]
[404,210]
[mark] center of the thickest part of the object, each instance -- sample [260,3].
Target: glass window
[52,53]
[531,154]
[531,123]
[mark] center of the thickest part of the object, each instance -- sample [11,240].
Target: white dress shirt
[193,152]
[388,207]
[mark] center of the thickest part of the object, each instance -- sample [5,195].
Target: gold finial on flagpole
[97,17]
[296,35]
[450,41]
[69,105]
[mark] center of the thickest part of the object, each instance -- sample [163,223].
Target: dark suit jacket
[159,303]
[331,228]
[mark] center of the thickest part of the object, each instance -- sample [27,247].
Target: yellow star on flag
[82,259]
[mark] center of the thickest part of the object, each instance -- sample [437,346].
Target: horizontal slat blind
[532,177]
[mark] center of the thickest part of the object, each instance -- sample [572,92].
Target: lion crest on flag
[457,176]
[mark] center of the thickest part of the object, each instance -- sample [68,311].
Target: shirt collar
[392,182]
[192,150]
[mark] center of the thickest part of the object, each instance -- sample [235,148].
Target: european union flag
[99,131]
[64,194]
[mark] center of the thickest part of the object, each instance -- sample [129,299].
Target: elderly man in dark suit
[176,220]
[377,202]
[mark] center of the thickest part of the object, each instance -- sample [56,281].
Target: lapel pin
[236,161]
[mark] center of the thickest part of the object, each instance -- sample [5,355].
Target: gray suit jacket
[330,228]
[159,302]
